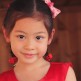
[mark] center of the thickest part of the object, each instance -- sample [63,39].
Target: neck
[29,66]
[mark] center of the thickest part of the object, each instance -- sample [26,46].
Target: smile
[29,55]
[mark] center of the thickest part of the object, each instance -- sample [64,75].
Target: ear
[5,35]
[51,36]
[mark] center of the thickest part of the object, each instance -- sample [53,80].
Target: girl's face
[29,40]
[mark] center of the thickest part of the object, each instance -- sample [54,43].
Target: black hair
[36,9]
[19,9]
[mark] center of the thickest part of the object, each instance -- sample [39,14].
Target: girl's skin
[29,40]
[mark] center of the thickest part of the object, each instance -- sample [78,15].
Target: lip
[29,55]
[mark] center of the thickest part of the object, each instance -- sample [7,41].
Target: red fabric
[8,76]
[56,72]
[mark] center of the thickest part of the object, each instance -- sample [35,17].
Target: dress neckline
[47,74]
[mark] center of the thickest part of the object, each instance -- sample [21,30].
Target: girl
[28,28]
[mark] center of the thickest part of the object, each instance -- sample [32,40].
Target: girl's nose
[29,45]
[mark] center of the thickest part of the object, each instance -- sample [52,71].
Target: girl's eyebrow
[20,31]
[41,32]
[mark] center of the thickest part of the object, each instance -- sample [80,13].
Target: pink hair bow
[54,10]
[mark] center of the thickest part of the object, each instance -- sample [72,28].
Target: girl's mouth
[29,55]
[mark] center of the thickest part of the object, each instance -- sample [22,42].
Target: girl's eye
[21,36]
[39,37]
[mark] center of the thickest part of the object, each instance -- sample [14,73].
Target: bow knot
[54,10]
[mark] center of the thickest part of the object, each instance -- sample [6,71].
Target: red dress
[56,72]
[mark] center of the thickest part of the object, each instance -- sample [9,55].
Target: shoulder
[60,69]
[61,65]
[5,75]
[70,75]
[64,70]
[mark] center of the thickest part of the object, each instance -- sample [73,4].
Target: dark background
[66,45]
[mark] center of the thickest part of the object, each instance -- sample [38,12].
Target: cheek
[15,47]
[42,50]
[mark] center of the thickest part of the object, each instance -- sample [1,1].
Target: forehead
[29,21]
[29,25]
